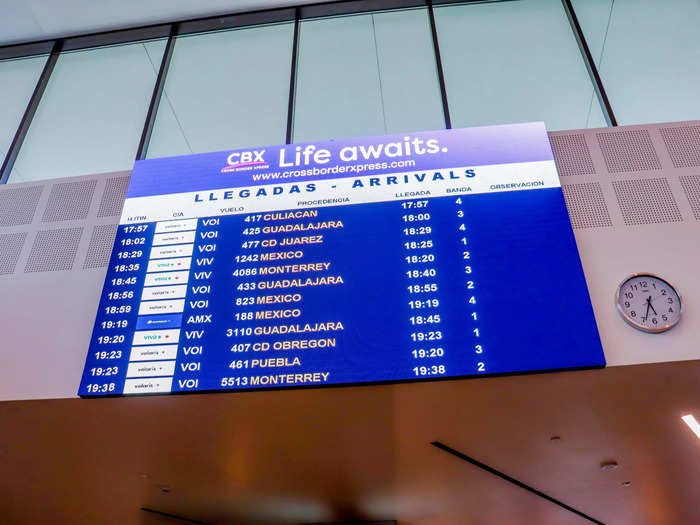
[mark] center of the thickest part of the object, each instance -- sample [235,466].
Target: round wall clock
[649,303]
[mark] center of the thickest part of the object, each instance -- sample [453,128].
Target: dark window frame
[53,48]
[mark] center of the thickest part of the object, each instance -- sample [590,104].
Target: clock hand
[650,306]
[646,315]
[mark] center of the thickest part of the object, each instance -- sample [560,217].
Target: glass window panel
[225,90]
[366,74]
[92,113]
[514,62]
[18,79]
[648,56]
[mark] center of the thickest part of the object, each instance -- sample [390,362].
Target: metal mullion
[590,63]
[111,38]
[157,94]
[293,78]
[438,64]
[26,50]
[354,7]
[34,101]
[237,20]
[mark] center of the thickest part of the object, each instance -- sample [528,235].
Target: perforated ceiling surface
[691,187]
[69,200]
[100,247]
[113,196]
[682,144]
[646,201]
[572,155]
[18,204]
[628,150]
[10,248]
[59,226]
[586,204]
[54,250]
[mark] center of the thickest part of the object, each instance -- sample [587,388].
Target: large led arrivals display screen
[416,256]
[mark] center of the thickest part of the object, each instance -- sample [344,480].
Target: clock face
[649,303]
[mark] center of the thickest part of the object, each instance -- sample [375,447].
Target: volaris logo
[245,160]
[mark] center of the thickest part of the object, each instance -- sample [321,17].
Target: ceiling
[364,453]
[30,20]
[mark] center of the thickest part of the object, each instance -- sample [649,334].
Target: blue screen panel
[369,263]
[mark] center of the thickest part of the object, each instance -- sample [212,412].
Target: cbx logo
[245,160]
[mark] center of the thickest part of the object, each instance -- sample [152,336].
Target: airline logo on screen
[245,160]
[494,158]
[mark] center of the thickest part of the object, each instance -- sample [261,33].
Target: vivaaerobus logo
[245,160]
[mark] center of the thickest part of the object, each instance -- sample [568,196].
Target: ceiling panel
[364,453]
[29,20]
[18,23]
